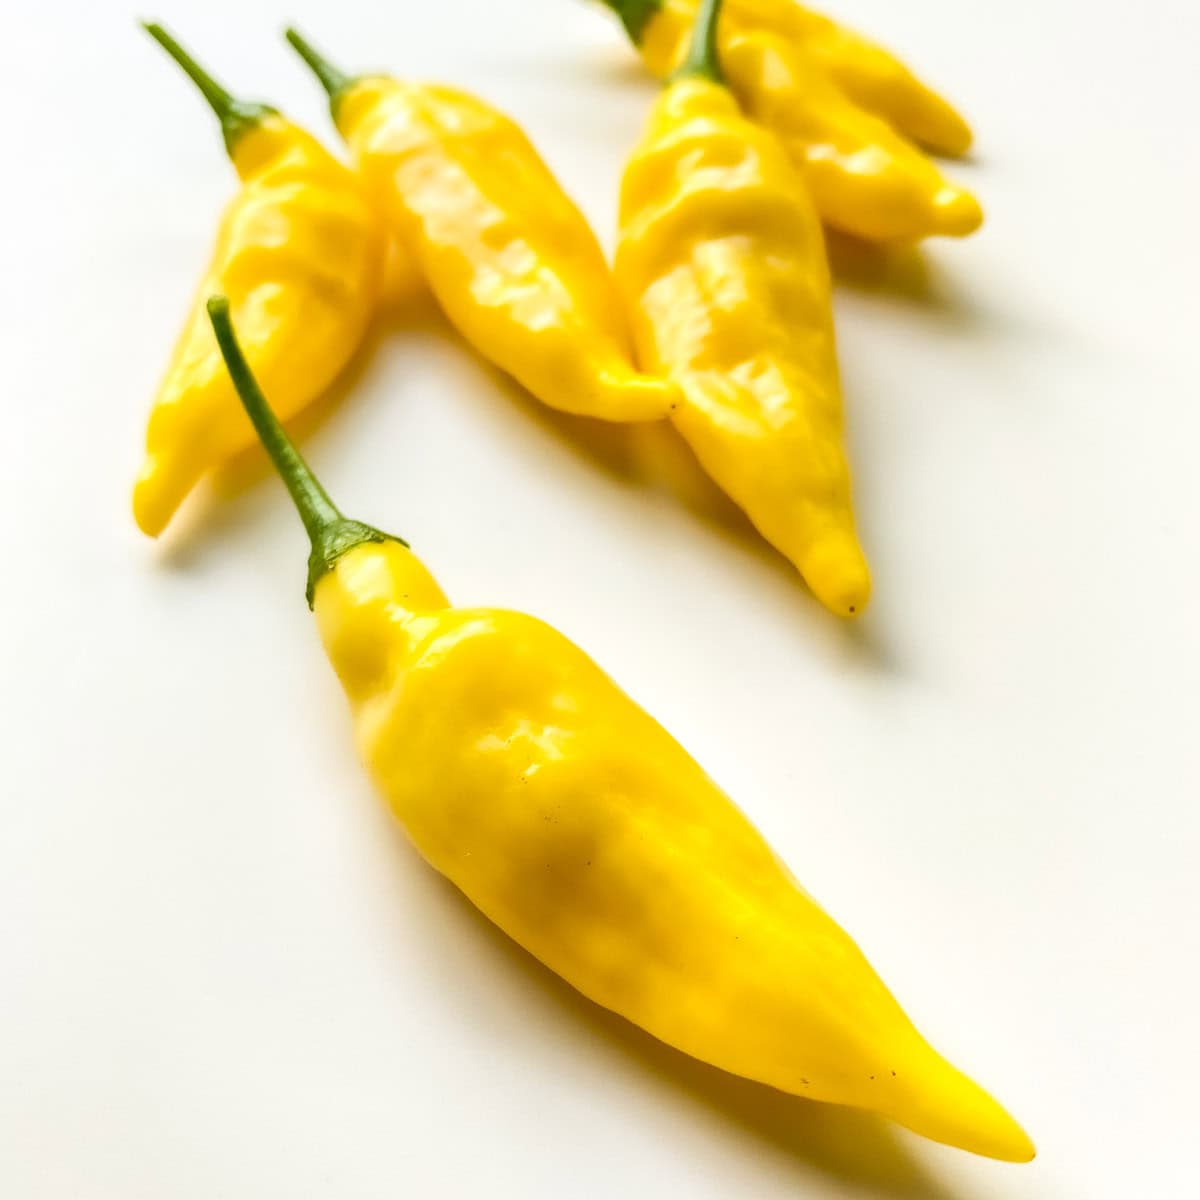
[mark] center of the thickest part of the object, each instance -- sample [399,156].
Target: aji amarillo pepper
[579,826]
[300,253]
[844,108]
[509,257]
[722,264]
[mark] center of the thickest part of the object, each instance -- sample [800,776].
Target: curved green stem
[330,534]
[635,15]
[236,116]
[703,60]
[336,82]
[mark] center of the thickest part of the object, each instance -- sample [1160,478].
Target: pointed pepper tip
[836,570]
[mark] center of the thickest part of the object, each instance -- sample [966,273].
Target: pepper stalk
[635,15]
[702,60]
[334,80]
[237,117]
[330,534]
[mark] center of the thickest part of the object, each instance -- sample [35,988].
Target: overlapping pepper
[508,255]
[845,109]
[722,264]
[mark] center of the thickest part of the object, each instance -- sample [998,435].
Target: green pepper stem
[333,80]
[237,117]
[635,15]
[312,501]
[703,60]
[330,534]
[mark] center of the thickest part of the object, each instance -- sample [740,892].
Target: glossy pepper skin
[722,264]
[844,108]
[578,825]
[300,253]
[509,257]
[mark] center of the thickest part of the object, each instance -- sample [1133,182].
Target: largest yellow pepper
[508,255]
[722,263]
[580,826]
[299,252]
[844,108]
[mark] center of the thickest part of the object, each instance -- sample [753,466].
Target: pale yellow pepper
[509,257]
[300,253]
[722,263]
[577,824]
[843,107]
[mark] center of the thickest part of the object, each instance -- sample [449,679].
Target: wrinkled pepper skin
[578,825]
[868,74]
[509,257]
[865,178]
[300,254]
[722,264]
[843,107]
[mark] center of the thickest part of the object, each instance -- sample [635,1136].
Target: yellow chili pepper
[300,253]
[722,263]
[842,106]
[578,825]
[509,257]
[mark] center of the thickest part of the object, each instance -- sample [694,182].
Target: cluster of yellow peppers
[518,768]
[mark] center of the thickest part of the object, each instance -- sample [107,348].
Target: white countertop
[224,973]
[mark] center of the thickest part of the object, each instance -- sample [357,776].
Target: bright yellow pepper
[577,824]
[300,253]
[508,255]
[843,107]
[722,263]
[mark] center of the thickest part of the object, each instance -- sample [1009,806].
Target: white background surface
[224,972]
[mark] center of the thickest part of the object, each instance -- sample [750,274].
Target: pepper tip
[836,570]
[156,495]
[957,212]
[935,1099]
